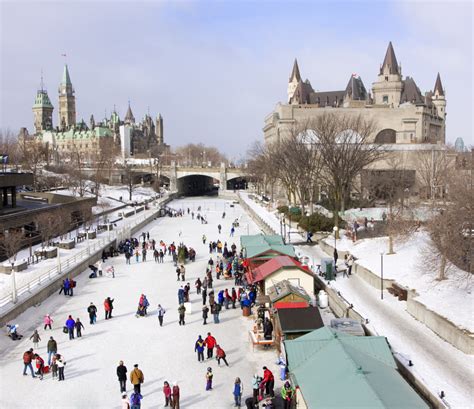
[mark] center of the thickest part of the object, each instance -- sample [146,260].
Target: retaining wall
[256,218]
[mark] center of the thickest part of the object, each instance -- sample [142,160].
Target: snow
[165,353]
[437,363]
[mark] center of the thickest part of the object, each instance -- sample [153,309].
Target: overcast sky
[214,70]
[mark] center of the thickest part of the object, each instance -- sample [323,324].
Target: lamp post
[13,283]
[335,229]
[381,275]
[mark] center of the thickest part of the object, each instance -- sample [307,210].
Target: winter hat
[264,368]
[135,366]
[209,369]
[124,395]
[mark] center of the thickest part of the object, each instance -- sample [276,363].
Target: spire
[66,78]
[295,74]
[42,84]
[390,61]
[438,88]
[129,115]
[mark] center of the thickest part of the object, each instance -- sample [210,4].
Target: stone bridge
[178,177]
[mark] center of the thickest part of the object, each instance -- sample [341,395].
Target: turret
[129,118]
[293,81]
[159,130]
[67,100]
[42,110]
[438,98]
[389,86]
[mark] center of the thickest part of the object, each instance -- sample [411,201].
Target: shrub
[282,209]
[316,222]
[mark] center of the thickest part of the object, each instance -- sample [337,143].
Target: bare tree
[128,178]
[76,165]
[32,154]
[8,146]
[48,226]
[260,169]
[103,160]
[199,154]
[11,243]
[346,148]
[433,169]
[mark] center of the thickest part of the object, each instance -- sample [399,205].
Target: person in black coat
[267,329]
[79,327]
[92,310]
[122,376]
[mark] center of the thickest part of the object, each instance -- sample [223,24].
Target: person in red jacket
[167,393]
[220,354]
[268,381]
[39,365]
[27,358]
[210,343]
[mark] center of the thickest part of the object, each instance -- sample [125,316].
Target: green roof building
[336,370]
[261,247]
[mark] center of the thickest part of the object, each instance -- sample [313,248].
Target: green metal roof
[98,131]
[337,370]
[66,80]
[259,244]
[42,100]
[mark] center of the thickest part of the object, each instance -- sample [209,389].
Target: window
[386,78]
[385,99]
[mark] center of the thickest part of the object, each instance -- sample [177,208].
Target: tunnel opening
[238,183]
[197,185]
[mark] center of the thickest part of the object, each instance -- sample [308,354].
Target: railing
[64,266]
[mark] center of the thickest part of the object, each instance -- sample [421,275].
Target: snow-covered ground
[165,353]
[436,362]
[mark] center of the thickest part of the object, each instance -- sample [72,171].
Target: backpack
[65,330]
[72,284]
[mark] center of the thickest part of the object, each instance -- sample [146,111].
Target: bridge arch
[197,185]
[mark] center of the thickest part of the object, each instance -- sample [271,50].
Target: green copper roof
[98,132]
[66,79]
[326,362]
[42,100]
[271,245]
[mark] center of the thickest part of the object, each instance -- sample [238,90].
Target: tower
[129,118]
[159,130]
[42,110]
[67,101]
[295,78]
[439,101]
[388,88]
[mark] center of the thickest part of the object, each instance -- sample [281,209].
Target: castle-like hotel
[128,136]
[401,113]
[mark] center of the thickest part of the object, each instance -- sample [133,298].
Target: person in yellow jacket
[136,378]
[287,394]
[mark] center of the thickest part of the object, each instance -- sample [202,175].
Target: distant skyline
[214,70]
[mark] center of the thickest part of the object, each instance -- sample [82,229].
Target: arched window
[386,136]
[348,136]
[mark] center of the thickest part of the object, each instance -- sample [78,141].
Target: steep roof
[390,61]
[327,98]
[302,94]
[284,288]
[438,86]
[295,73]
[129,115]
[66,80]
[411,92]
[275,264]
[362,367]
[42,100]
[355,89]
[259,244]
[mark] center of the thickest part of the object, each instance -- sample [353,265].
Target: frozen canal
[165,353]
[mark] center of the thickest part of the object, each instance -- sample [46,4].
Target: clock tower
[67,101]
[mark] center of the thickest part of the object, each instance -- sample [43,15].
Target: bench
[398,291]
[257,339]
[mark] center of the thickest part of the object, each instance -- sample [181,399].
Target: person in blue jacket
[70,325]
[220,297]
[181,295]
[199,348]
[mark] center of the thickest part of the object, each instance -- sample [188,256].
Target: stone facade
[402,115]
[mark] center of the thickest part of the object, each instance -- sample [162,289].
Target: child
[238,388]
[209,376]
[167,393]
[54,367]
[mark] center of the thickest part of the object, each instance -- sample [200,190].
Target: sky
[215,69]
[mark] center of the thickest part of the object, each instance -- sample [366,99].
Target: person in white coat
[125,403]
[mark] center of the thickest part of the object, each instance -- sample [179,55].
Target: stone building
[71,137]
[406,121]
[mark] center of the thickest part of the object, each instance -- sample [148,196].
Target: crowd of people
[225,264]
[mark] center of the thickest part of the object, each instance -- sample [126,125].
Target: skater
[54,367]
[336,256]
[175,395]
[127,257]
[223,215]
[99,268]
[92,311]
[233,297]
[210,343]
[349,263]
[181,311]
[205,314]
[181,295]
[238,389]
[136,378]
[219,228]
[144,255]
[209,376]
[61,363]
[135,400]
[167,393]
[204,238]
[156,255]
[227,299]
[52,349]
[161,314]
[267,329]
[198,285]
[268,382]
[79,327]
[204,296]
[220,354]
[287,394]
[108,307]
[122,376]
[125,404]
[39,366]
[232,231]
[70,325]
[137,256]
[215,312]
[256,381]
[72,285]
[27,358]
[161,256]
[182,271]
[36,338]
[199,348]
[47,321]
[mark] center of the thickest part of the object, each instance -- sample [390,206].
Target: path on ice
[165,353]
